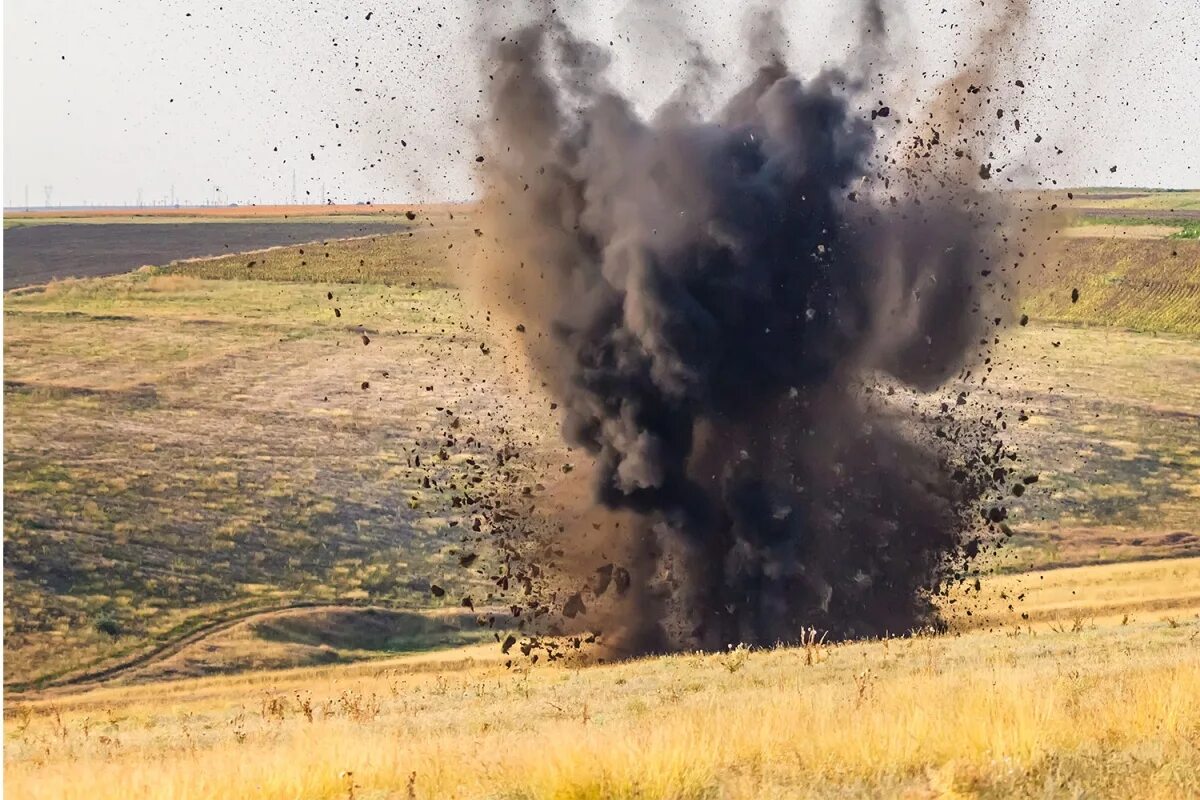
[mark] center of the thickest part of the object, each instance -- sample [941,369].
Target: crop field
[1094,694]
[204,441]
[234,213]
[1143,285]
[1127,201]
[37,254]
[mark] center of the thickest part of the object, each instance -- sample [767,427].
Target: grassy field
[181,450]
[209,439]
[1126,213]
[1111,428]
[425,259]
[1142,285]
[1136,227]
[1095,695]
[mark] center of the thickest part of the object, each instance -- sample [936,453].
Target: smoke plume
[739,314]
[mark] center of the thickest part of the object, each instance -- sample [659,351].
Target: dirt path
[132,664]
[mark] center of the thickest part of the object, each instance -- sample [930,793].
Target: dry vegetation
[425,258]
[1110,430]
[1078,704]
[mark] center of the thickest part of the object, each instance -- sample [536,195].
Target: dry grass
[1092,710]
[173,283]
[1102,595]
[1110,431]
[312,636]
[433,255]
[183,444]
[1119,230]
[174,455]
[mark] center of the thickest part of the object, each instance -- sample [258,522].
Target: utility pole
[293,187]
[322,192]
[27,197]
[172,194]
[48,190]
[139,202]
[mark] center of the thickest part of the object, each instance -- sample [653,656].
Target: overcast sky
[106,100]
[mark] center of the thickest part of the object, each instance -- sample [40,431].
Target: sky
[201,101]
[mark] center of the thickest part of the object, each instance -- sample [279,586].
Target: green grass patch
[1091,221]
[1144,200]
[1190,230]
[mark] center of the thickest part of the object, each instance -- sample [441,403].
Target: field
[92,214]
[244,473]
[181,450]
[37,254]
[194,444]
[1096,695]
[1133,202]
[1144,285]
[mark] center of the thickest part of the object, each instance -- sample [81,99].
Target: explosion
[745,317]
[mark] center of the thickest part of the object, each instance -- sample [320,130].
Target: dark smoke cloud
[729,309]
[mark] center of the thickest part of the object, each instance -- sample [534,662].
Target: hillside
[198,442]
[180,451]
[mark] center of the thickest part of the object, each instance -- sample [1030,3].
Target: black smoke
[739,314]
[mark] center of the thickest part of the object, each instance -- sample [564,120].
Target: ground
[1094,696]
[181,450]
[38,254]
[259,461]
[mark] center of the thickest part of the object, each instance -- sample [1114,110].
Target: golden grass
[173,283]
[1133,592]
[1107,711]
[1120,231]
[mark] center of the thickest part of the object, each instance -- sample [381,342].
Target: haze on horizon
[211,101]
